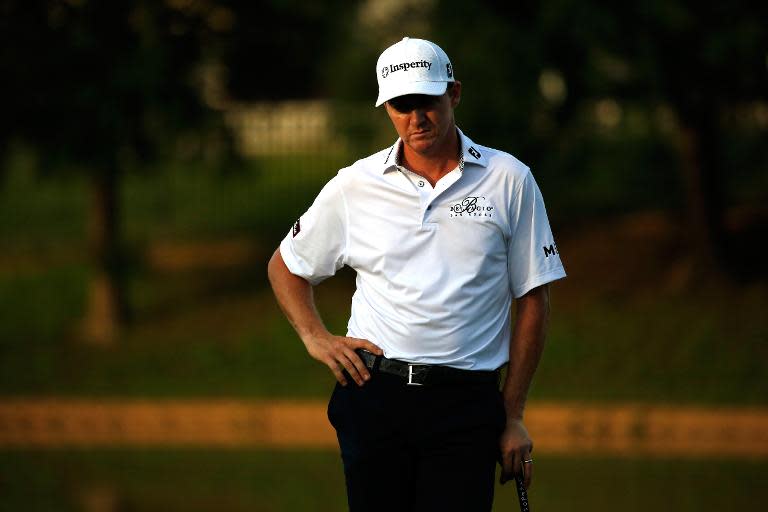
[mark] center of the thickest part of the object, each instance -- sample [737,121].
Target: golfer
[446,236]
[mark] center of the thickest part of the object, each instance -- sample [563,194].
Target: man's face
[423,121]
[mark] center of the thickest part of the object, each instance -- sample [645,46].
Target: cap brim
[430,88]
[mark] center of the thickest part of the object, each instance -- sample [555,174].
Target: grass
[277,481]
[186,343]
[221,334]
[258,198]
[685,348]
[162,480]
[38,307]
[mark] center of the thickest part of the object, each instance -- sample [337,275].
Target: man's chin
[421,143]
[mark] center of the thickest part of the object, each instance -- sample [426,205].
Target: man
[442,233]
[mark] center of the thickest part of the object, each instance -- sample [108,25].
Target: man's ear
[455,93]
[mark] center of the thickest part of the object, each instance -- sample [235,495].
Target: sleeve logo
[550,249]
[296,228]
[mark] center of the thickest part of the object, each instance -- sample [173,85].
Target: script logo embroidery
[472,206]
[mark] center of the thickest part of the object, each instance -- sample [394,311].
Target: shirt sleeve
[533,258]
[315,247]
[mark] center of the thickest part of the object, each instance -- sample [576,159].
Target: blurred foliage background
[154,153]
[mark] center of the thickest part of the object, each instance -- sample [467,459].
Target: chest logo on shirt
[297,228]
[472,206]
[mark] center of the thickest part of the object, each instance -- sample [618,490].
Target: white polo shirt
[436,268]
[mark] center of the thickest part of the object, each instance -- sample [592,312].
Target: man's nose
[418,116]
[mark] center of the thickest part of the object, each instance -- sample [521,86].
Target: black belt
[416,374]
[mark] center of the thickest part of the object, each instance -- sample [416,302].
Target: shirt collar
[469,150]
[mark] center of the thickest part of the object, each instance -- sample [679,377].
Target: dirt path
[557,428]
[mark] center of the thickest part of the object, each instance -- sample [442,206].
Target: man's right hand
[294,294]
[338,353]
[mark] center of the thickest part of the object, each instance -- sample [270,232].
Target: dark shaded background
[154,154]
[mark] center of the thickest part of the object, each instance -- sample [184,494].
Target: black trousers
[417,448]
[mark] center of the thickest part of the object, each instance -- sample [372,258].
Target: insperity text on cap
[412,66]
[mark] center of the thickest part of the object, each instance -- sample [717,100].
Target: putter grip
[522,494]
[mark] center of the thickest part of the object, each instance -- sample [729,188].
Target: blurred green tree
[98,87]
[696,60]
[699,60]
[281,49]
[102,88]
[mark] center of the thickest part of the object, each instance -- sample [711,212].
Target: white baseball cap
[412,66]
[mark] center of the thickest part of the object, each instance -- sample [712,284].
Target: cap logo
[405,66]
[449,70]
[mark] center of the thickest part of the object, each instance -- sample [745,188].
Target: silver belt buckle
[411,374]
